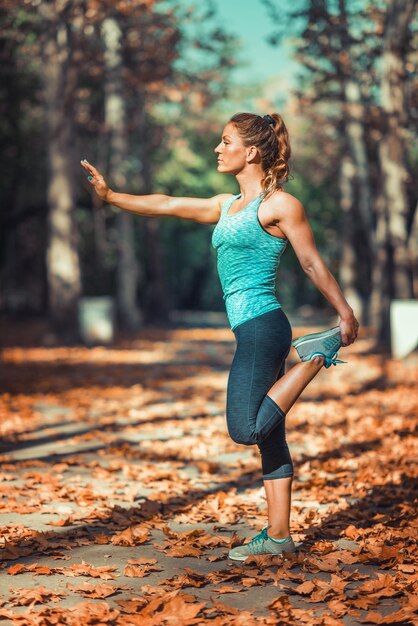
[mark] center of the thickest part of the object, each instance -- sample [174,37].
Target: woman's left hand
[97,180]
[349,330]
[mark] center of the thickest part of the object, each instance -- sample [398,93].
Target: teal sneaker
[262,544]
[325,344]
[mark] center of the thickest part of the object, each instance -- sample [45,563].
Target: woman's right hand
[349,330]
[100,186]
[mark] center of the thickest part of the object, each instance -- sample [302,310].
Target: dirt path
[121,491]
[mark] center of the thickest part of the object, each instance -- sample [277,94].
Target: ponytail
[269,134]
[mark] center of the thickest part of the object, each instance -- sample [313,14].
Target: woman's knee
[241,435]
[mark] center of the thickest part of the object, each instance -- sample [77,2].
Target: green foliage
[174,122]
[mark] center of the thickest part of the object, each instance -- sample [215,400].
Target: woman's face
[231,151]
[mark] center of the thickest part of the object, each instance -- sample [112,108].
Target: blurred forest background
[142,89]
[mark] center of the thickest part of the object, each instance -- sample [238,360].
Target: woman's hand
[97,180]
[349,330]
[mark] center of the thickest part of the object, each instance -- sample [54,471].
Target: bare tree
[392,149]
[115,120]
[59,79]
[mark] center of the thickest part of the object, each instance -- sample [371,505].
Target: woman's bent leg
[263,343]
[288,388]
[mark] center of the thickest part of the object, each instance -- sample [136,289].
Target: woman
[252,231]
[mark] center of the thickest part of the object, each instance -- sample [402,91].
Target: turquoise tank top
[247,259]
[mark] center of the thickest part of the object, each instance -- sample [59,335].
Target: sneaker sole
[244,558]
[238,558]
[314,336]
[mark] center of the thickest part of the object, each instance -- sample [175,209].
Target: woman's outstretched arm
[203,210]
[293,222]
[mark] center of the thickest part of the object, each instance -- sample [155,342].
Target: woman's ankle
[277,533]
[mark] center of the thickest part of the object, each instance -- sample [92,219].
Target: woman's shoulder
[224,198]
[281,200]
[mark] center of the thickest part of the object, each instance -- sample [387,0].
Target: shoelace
[258,540]
[333,360]
[328,360]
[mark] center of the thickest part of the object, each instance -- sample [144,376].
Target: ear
[252,154]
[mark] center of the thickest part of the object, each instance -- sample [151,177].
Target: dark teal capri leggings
[263,344]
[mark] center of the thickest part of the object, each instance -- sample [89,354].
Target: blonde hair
[272,141]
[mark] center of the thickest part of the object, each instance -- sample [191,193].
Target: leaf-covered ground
[121,492]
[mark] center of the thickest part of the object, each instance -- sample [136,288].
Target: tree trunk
[157,301]
[63,269]
[413,252]
[359,218]
[380,297]
[392,272]
[115,120]
[348,271]
[354,116]
[392,149]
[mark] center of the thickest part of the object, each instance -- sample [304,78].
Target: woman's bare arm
[294,224]
[202,210]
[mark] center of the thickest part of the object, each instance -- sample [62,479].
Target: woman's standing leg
[277,479]
[279,490]
[279,499]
